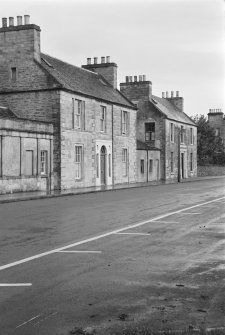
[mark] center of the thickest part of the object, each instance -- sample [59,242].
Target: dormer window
[13,74]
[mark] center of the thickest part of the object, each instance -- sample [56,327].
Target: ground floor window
[109,165]
[151,165]
[191,161]
[142,166]
[78,161]
[124,162]
[171,162]
[44,156]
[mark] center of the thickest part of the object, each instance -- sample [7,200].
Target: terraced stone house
[94,125]
[166,136]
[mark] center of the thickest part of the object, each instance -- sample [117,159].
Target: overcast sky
[178,45]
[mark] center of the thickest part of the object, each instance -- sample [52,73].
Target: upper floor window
[44,156]
[191,136]
[217,132]
[149,131]
[103,119]
[78,114]
[124,162]
[182,134]
[13,74]
[78,161]
[171,132]
[124,122]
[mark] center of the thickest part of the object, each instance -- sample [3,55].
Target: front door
[103,165]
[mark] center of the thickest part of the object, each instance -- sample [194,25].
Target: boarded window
[29,163]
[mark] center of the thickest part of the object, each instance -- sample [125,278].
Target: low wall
[211,170]
[22,184]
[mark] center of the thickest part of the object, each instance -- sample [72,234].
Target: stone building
[166,136]
[25,154]
[216,120]
[94,125]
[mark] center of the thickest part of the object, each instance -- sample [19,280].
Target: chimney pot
[131,79]
[95,60]
[11,21]
[88,61]
[127,79]
[107,59]
[177,94]
[19,20]
[167,94]
[172,94]
[102,60]
[163,94]
[135,78]
[140,78]
[144,77]
[26,19]
[4,22]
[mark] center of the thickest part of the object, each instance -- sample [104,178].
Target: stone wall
[211,170]
[18,138]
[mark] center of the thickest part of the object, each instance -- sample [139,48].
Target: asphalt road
[113,259]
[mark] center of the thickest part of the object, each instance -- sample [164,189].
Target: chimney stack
[172,94]
[167,94]
[11,21]
[107,59]
[26,19]
[135,78]
[95,60]
[4,22]
[103,60]
[163,94]
[177,94]
[19,20]
[88,61]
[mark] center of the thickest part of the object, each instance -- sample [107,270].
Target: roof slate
[171,111]
[6,113]
[83,81]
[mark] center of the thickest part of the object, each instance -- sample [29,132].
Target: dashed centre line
[15,284]
[91,239]
[81,251]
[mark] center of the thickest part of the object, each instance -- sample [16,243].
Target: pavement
[23,196]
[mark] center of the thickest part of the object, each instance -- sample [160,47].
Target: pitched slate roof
[6,113]
[171,111]
[82,81]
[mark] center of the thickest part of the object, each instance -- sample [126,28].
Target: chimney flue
[19,20]
[107,59]
[103,60]
[26,19]
[11,21]
[4,22]
[177,94]
[95,60]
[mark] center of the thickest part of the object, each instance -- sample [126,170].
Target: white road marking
[81,251]
[24,323]
[45,318]
[132,234]
[15,284]
[91,239]
[191,213]
[166,221]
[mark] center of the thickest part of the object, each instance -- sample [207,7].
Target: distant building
[216,120]
[166,136]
